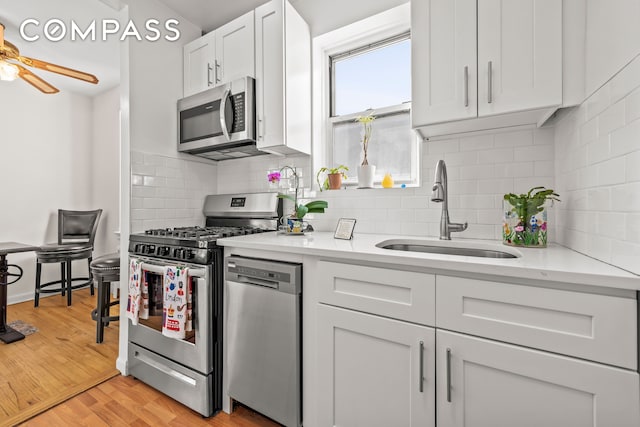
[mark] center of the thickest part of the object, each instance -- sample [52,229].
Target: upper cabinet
[220,56]
[479,64]
[283,79]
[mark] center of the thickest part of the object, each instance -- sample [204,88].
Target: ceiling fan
[11,70]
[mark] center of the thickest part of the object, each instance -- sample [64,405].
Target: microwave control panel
[238,104]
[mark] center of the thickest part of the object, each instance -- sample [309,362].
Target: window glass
[374,78]
[392,147]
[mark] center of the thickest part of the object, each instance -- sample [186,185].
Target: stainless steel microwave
[219,123]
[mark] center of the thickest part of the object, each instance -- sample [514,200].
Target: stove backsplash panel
[168,191]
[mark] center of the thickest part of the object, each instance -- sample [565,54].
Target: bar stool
[105,269]
[76,233]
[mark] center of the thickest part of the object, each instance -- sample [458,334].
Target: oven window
[200,122]
[156,309]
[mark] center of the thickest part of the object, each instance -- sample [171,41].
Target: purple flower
[274,177]
[543,227]
[519,228]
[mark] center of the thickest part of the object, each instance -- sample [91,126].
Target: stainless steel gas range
[189,369]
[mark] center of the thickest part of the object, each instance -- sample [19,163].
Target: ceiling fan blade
[1,35]
[35,81]
[58,69]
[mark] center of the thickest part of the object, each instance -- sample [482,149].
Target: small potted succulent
[525,217]
[333,178]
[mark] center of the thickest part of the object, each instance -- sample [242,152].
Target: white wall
[598,172]
[105,168]
[46,145]
[167,187]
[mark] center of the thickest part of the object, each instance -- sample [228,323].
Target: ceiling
[322,15]
[102,58]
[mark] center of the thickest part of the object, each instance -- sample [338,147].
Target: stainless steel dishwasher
[263,327]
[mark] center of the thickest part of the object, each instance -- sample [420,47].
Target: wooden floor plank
[128,402]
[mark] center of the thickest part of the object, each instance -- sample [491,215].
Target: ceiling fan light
[8,72]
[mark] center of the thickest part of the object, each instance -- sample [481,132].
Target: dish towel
[174,306]
[135,292]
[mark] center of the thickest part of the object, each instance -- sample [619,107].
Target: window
[374,79]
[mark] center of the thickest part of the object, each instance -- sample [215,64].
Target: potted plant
[293,221]
[333,178]
[366,172]
[525,217]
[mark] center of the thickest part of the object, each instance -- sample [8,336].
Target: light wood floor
[57,362]
[124,401]
[62,368]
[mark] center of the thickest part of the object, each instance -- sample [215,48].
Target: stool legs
[100,312]
[69,282]
[36,299]
[90,274]
[63,281]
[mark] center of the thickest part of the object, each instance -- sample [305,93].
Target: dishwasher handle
[247,280]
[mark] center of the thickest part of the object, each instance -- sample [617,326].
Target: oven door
[195,351]
[220,116]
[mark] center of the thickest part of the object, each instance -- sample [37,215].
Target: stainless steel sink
[435,248]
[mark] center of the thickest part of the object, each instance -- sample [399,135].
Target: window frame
[384,25]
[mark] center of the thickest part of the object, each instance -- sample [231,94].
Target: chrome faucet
[438,195]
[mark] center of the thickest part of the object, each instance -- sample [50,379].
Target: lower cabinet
[374,371]
[487,383]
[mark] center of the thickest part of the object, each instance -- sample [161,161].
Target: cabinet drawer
[594,327]
[403,295]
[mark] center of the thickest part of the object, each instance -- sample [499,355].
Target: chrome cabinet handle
[490,83]
[449,375]
[217,68]
[421,367]
[223,118]
[261,128]
[466,86]
[209,68]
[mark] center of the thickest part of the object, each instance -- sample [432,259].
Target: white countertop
[554,263]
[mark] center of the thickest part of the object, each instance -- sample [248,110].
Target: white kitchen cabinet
[374,371]
[283,79]
[487,383]
[199,57]
[220,56]
[479,64]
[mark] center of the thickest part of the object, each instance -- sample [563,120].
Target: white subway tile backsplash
[626,80]
[626,139]
[516,139]
[600,212]
[612,118]
[632,107]
[611,171]
[517,169]
[537,152]
[504,155]
[544,168]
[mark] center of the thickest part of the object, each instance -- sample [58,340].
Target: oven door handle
[158,269]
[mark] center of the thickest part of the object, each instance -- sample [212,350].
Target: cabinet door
[269,27]
[199,58]
[370,371]
[235,49]
[443,52]
[486,383]
[519,55]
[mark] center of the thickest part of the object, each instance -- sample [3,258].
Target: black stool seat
[105,269]
[76,234]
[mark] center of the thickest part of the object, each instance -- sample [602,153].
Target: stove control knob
[163,250]
[151,249]
[189,254]
[178,253]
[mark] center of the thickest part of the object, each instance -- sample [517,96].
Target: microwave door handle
[223,119]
